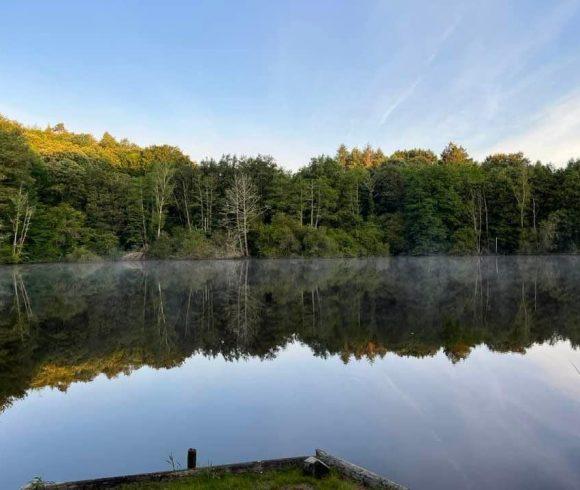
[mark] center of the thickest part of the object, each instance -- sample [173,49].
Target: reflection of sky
[491,421]
[560,365]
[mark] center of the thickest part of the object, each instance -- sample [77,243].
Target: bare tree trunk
[200,200]
[143,221]
[186,205]
[534,212]
[476,216]
[205,203]
[318,209]
[209,212]
[311,204]
[244,221]
[23,212]
[522,205]
[355,204]
[486,222]
[241,208]
[301,211]
[162,188]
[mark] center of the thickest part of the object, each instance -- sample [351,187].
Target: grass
[291,479]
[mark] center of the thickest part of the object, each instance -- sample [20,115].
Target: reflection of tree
[457,343]
[243,307]
[21,303]
[60,324]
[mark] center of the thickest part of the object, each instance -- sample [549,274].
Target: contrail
[409,90]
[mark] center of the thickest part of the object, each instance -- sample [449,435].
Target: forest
[66,196]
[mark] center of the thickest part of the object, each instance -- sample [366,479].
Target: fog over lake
[435,372]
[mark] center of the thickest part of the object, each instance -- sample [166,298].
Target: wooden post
[191,458]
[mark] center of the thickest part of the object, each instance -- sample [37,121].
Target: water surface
[436,372]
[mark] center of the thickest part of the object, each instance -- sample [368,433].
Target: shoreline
[301,258]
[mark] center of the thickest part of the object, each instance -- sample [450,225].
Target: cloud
[551,136]
[441,41]
[400,99]
[408,92]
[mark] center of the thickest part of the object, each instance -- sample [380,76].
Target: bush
[286,237]
[6,256]
[104,243]
[225,245]
[162,248]
[317,243]
[82,254]
[392,227]
[281,238]
[56,231]
[189,244]
[193,244]
[346,245]
[371,240]
[463,242]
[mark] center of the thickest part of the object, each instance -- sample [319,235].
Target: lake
[435,372]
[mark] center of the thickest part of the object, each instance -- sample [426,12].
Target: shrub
[190,244]
[371,240]
[162,248]
[346,244]
[193,244]
[317,243]
[463,242]
[281,238]
[81,254]
[104,243]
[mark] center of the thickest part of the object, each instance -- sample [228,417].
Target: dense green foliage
[67,196]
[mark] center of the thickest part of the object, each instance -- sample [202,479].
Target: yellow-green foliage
[51,142]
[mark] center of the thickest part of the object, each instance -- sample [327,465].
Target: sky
[297,78]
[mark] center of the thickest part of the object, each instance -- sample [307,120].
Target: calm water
[436,372]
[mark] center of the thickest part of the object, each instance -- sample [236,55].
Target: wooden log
[314,467]
[191,458]
[357,473]
[115,481]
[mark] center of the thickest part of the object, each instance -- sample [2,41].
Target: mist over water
[437,372]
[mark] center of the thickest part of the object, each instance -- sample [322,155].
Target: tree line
[70,196]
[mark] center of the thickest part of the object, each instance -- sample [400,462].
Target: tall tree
[454,154]
[21,214]
[161,177]
[242,207]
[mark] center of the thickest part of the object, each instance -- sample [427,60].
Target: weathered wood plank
[314,467]
[112,482]
[352,471]
[357,473]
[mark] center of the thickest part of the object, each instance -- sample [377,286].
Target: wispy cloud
[409,90]
[403,96]
[552,136]
[443,38]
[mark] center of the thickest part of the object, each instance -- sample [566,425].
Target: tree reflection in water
[65,323]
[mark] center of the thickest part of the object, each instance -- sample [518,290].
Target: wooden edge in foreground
[357,473]
[349,470]
[112,482]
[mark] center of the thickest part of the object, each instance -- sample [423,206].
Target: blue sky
[297,78]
